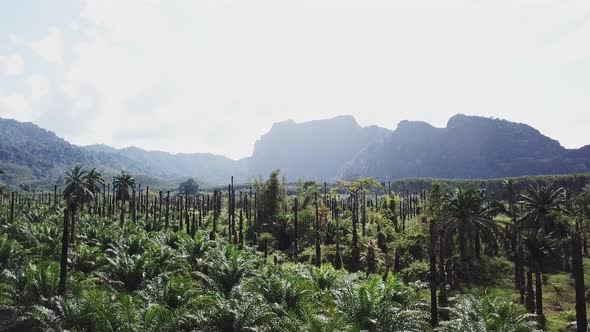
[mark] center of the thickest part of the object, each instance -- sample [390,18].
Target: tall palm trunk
[442,295]
[133,205]
[530,293]
[123,202]
[363,214]
[519,268]
[318,248]
[355,254]
[296,229]
[12,198]
[578,271]
[338,256]
[517,262]
[73,217]
[450,262]
[566,257]
[462,242]
[167,218]
[432,275]
[477,244]
[63,264]
[241,230]
[539,294]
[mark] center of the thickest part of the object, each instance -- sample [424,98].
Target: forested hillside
[314,150]
[214,168]
[469,147]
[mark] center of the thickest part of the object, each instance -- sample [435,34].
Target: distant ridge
[322,150]
[469,147]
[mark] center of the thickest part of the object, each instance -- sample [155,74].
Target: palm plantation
[451,246]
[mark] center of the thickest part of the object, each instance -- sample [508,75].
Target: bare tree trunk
[63,266]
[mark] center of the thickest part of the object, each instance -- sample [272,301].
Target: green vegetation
[97,256]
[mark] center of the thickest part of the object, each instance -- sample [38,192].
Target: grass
[559,296]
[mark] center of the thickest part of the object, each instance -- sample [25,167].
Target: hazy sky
[213,75]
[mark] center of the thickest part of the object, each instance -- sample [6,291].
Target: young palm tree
[374,305]
[123,182]
[76,193]
[490,313]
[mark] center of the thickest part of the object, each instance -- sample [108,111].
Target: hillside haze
[314,150]
[469,147]
[322,150]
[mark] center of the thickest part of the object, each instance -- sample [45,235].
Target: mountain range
[322,150]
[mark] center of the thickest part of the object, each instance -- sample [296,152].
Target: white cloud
[49,47]
[11,65]
[39,85]
[15,106]
[212,76]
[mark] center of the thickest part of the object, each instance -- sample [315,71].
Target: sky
[214,75]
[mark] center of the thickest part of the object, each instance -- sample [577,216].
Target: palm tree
[76,193]
[490,313]
[377,305]
[466,214]
[538,246]
[537,202]
[513,212]
[123,182]
[94,180]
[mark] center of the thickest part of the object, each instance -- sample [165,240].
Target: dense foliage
[346,257]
